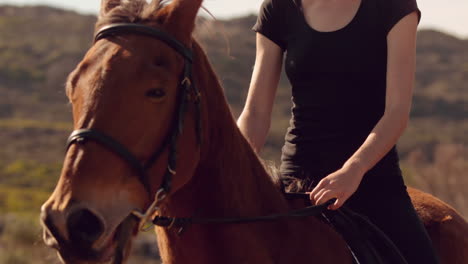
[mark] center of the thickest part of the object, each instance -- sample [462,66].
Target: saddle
[367,243]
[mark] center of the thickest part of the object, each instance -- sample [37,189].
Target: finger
[326,196]
[318,195]
[340,202]
[321,185]
[337,205]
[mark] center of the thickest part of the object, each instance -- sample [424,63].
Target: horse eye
[156,93]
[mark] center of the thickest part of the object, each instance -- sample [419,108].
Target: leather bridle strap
[81,135]
[130,28]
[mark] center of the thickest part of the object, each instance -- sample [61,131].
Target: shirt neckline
[345,27]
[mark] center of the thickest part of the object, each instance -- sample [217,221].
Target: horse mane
[220,129]
[274,173]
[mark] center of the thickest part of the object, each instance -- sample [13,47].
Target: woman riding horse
[154,136]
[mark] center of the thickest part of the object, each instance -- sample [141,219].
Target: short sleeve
[395,10]
[269,22]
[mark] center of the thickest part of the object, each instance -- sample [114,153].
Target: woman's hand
[340,185]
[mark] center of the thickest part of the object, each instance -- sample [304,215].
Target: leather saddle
[368,244]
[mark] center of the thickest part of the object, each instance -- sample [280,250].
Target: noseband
[188,92]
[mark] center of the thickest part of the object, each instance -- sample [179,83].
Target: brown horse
[128,87]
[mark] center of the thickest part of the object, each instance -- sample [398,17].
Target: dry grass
[34,124]
[444,173]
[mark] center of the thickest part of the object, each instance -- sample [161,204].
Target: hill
[40,45]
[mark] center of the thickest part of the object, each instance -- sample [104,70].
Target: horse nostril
[84,227]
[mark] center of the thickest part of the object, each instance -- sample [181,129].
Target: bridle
[188,92]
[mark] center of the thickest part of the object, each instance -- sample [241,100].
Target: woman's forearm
[254,126]
[382,138]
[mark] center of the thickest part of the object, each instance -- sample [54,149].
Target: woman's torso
[338,83]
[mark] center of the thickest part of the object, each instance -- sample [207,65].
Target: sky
[450,16]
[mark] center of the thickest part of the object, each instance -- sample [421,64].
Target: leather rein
[188,92]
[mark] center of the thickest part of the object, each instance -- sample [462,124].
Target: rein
[183,222]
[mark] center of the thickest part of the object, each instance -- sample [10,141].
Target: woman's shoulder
[280,5]
[394,10]
[272,19]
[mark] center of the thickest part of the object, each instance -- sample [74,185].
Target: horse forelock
[132,12]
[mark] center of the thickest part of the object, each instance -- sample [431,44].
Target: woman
[351,64]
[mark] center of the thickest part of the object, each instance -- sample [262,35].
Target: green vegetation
[14,200]
[25,185]
[29,174]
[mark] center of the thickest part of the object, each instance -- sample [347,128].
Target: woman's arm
[400,78]
[254,121]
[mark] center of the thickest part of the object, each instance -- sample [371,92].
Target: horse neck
[228,164]
[230,180]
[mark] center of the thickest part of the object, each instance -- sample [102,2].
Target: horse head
[136,114]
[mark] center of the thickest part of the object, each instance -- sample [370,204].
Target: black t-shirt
[338,81]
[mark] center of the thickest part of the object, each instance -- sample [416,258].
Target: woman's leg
[395,215]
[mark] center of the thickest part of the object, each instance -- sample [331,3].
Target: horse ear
[181,18]
[108,5]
